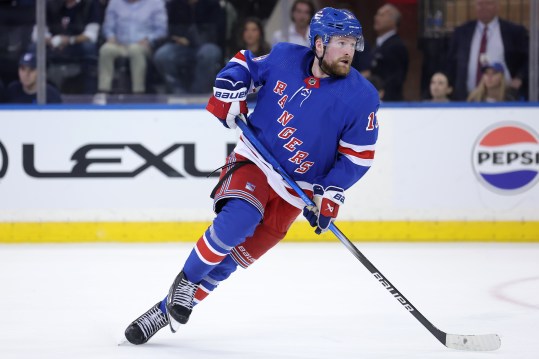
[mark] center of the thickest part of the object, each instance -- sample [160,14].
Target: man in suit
[390,56]
[488,39]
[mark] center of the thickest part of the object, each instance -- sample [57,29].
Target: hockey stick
[482,342]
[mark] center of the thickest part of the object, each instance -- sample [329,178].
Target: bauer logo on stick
[506,158]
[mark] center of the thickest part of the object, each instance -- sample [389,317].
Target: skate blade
[122,341]
[174,325]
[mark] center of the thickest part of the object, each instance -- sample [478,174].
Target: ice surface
[311,300]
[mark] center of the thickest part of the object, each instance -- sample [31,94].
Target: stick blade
[484,342]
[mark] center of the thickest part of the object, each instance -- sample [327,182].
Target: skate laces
[151,321]
[184,293]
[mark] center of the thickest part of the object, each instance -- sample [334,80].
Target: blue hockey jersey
[321,130]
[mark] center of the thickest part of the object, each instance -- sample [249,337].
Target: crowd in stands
[101,47]
[298,30]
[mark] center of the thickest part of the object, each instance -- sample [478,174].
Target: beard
[336,68]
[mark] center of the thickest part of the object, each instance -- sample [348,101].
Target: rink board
[139,174]
[140,232]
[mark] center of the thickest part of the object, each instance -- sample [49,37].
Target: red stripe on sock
[207,254]
[200,294]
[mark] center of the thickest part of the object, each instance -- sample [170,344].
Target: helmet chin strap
[320,60]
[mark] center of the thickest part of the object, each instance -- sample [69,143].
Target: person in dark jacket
[488,39]
[71,37]
[24,91]
[389,56]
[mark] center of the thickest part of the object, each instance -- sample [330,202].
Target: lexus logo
[3,160]
[87,155]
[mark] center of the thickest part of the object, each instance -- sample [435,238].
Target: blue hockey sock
[221,272]
[163,305]
[218,274]
[236,221]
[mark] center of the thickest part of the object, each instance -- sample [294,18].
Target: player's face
[339,54]
[27,76]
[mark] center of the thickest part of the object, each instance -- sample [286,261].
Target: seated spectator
[24,91]
[190,59]
[71,37]
[298,33]
[131,29]
[493,86]
[440,90]
[252,38]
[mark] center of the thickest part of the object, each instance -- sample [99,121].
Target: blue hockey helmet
[330,22]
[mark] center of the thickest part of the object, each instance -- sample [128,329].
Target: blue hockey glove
[327,207]
[228,101]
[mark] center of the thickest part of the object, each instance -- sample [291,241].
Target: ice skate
[180,301]
[145,326]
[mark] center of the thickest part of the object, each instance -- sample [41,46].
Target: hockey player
[317,116]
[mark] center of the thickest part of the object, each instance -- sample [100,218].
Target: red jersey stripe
[240,56]
[367,155]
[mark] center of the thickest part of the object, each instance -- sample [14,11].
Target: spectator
[25,89]
[71,37]
[440,90]
[298,32]
[487,39]
[131,28]
[190,59]
[390,56]
[252,38]
[492,86]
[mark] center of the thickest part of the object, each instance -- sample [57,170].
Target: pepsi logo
[506,158]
